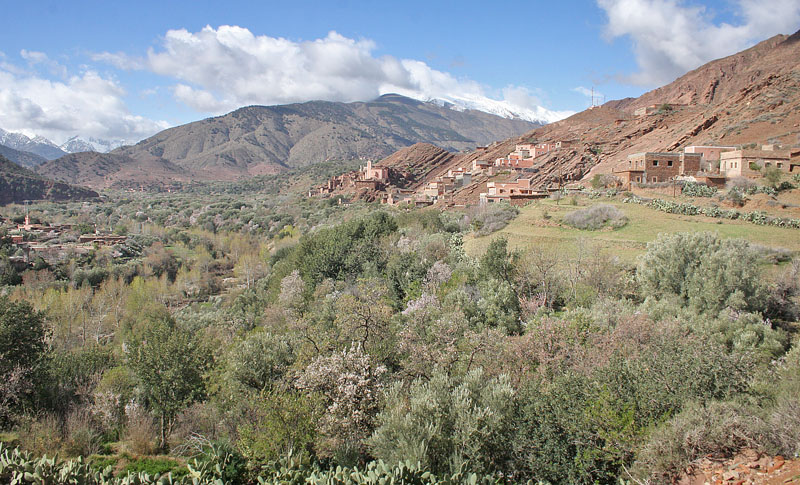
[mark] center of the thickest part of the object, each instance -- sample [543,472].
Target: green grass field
[531,228]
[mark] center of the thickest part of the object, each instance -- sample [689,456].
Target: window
[654,179]
[655,163]
[669,163]
[779,165]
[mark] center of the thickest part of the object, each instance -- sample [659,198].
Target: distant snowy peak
[40,140]
[13,140]
[77,144]
[39,145]
[535,114]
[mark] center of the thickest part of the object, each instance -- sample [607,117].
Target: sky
[126,70]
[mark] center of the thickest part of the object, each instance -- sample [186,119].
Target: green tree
[169,365]
[23,350]
[772,175]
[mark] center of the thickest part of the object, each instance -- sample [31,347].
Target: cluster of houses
[38,241]
[446,184]
[369,177]
[711,165]
[524,155]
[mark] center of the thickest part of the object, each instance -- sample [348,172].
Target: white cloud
[671,37]
[88,104]
[33,57]
[36,58]
[228,67]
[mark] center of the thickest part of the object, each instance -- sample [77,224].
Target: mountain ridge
[258,140]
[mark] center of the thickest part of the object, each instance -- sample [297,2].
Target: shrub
[81,437]
[772,175]
[489,218]
[720,429]
[445,422]
[141,433]
[702,270]
[41,436]
[596,217]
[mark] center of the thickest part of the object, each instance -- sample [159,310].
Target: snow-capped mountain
[536,114]
[39,145]
[77,144]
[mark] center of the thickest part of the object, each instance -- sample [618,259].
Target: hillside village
[706,164]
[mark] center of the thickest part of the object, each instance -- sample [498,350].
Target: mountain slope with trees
[18,184]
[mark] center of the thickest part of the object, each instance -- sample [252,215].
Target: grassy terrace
[539,225]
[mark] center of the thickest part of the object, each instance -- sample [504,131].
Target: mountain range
[749,97]
[258,140]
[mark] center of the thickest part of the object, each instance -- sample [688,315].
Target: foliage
[282,425]
[702,270]
[447,423]
[23,350]
[489,218]
[596,217]
[169,366]
[693,189]
[772,175]
[716,428]
[344,250]
[350,384]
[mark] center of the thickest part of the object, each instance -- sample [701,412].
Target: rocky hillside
[18,184]
[268,139]
[106,170]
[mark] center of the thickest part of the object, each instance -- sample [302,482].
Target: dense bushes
[302,358]
[596,217]
[343,250]
[445,423]
[489,218]
[703,271]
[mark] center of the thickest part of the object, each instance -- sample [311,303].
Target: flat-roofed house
[655,167]
[751,163]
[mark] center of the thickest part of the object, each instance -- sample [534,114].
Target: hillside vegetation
[240,337]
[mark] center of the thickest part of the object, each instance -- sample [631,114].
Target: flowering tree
[350,384]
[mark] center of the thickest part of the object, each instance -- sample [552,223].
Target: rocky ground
[747,468]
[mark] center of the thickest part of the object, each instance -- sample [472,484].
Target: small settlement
[52,242]
[520,176]
[388,182]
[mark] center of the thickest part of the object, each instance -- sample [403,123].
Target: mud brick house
[519,191]
[381,174]
[654,167]
[750,163]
